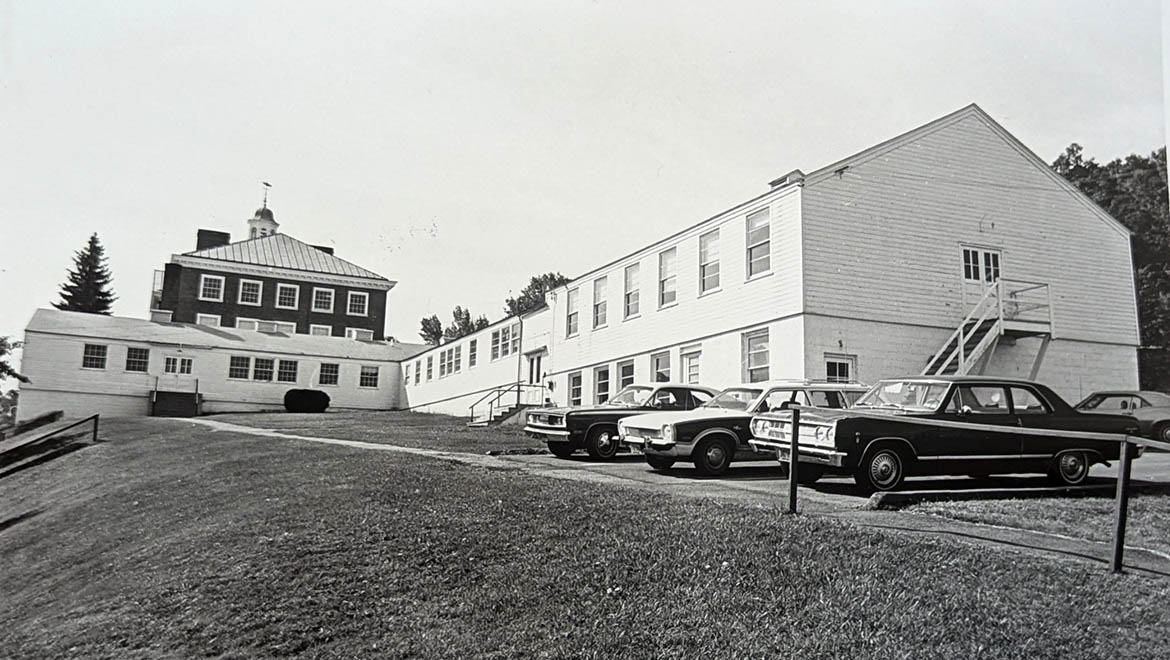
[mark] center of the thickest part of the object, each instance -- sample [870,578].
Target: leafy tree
[6,370]
[1134,191]
[88,286]
[8,402]
[462,324]
[432,330]
[532,296]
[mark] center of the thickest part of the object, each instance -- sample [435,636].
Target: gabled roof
[284,251]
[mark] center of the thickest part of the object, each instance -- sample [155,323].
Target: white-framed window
[755,356]
[321,330]
[287,327]
[322,300]
[288,296]
[575,388]
[709,261]
[286,371]
[430,367]
[262,369]
[368,377]
[247,324]
[600,315]
[361,334]
[840,368]
[601,384]
[212,320]
[759,243]
[667,266]
[330,373]
[691,357]
[251,291]
[625,372]
[571,300]
[406,371]
[630,297]
[173,364]
[358,303]
[93,356]
[137,359]
[660,367]
[450,361]
[418,372]
[472,352]
[980,265]
[211,288]
[506,341]
[239,367]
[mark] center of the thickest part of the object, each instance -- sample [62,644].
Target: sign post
[1122,511]
[793,460]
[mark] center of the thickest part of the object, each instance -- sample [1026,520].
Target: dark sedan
[948,425]
[1151,410]
[594,428]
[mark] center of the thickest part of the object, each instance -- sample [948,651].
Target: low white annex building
[949,249]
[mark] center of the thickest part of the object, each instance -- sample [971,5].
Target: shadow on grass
[14,520]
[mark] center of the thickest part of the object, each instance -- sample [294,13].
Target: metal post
[95,428]
[1123,468]
[793,460]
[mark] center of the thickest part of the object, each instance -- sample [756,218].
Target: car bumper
[548,434]
[659,447]
[808,454]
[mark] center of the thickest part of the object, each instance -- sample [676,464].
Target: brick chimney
[209,238]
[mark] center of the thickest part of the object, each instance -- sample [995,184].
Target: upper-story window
[250,292]
[358,304]
[980,265]
[571,312]
[288,296]
[211,288]
[709,261]
[630,298]
[759,243]
[667,265]
[323,300]
[599,301]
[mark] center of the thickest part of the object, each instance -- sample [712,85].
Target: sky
[460,148]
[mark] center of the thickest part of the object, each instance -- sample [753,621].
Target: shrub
[306,401]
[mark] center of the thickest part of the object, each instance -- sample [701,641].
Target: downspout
[519,358]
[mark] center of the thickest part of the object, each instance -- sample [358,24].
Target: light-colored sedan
[1151,410]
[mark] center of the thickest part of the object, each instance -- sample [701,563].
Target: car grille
[647,434]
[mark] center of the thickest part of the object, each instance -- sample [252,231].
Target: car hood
[548,411]
[658,419]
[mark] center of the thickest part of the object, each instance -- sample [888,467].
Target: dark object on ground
[306,401]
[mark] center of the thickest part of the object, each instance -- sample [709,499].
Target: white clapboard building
[949,249]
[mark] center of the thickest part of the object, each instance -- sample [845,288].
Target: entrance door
[534,373]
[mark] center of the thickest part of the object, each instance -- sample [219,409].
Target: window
[1025,402]
[262,369]
[601,384]
[666,277]
[755,356]
[709,261]
[471,352]
[239,367]
[207,319]
[575,389]
[981,399]
[250,292]
[457,360]
[506,341]
[137,359]
[450,361]
[980,265]
[631,295]
[571,312]
[406,381]
[247,324]
[177,365]
[417,372]
[840,368]
[288,296]
[211,288]
[286,371]
[759,243]
[430,366]
[323,300]
[321,330]
[600,304]
[690,365]
[358,303]
[330,373]
[94,356]
[625,373]
[284,326]
[660,367]
[360,334]
[368,377]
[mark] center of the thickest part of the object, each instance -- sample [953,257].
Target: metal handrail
[94,417]
[959,332]
[498,393]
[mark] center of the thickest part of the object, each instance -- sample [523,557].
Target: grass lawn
[173,541]
[406,429]
[1083,517]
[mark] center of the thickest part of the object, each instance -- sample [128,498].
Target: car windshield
[913,395]
[736,398]
[631,395]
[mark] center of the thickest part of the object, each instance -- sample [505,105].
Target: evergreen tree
[531,298]
[432,330]
[88,286]
[463,325]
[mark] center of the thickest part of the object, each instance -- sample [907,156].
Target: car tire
[602,443]
[1162,432]
[882,469]
[713,456]
[1070,468]
[560,449]
[660,462]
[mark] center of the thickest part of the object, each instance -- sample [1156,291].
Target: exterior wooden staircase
[1007,308]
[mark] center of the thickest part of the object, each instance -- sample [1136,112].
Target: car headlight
[621,429]
[668,432]
[758,428]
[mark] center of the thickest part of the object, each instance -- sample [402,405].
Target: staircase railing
[526,393]
[1002,300]
[990,303]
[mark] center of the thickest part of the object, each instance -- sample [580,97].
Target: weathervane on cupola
[263,223]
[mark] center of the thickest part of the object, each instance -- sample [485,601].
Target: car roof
[688,386]
[1127,393]
[968,380]
[796,382]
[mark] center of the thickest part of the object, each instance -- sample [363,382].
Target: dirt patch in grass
[171,540]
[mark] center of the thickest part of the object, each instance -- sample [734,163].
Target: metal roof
[284,251]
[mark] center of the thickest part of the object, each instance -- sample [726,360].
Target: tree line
[531,298]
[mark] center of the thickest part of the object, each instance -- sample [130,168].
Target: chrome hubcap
[884,469]
[1072,466]
[604,441]
[715,455]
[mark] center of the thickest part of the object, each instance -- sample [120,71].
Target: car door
[1035,413]
[980,431]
